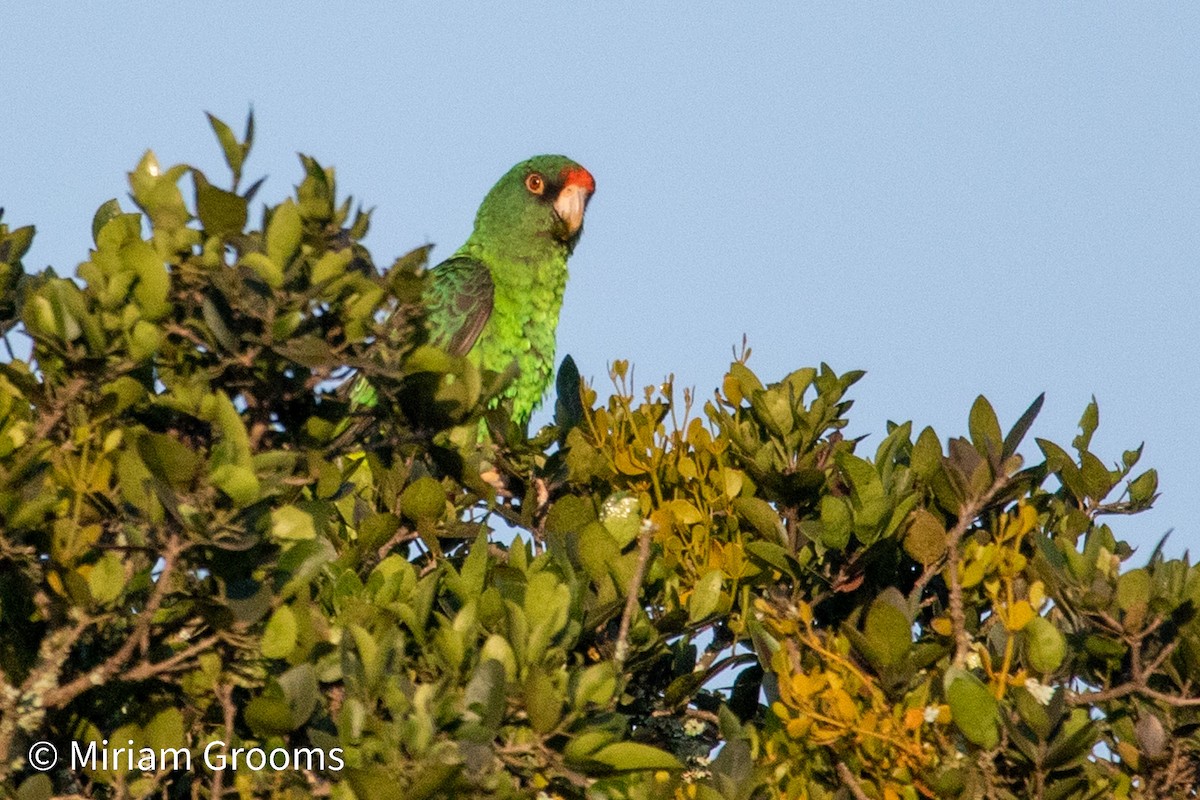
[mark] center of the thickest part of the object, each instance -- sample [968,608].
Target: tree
[194,559]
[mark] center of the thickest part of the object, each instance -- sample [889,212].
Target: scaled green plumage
[496,300]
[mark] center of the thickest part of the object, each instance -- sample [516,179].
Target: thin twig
[851,782]
[148,669]
[1126,689]
[1153,666]
[631,598]
[225,696]
[926,576]
[966,518]
[48,422]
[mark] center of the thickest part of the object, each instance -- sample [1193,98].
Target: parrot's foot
[494,479]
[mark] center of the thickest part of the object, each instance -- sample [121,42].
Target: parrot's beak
[573,199]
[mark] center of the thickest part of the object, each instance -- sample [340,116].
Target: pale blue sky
[959,199]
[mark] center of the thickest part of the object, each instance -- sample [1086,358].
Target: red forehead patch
[578,176]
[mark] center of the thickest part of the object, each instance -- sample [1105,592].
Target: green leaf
[547,608]
[153,287]
[568,407]
[1134,590]
[706,596]
[270,272]
[223,214]
[169,459]
[1045,646]
[331,266]
[268,716]
[15,243]
[1087,426]
[164,730]
[1075,739]
[925,539]
[35,787]
[773,554]
[1013,440]
[316,191]
[887,632]
[239,483]
[108,210]
[746,381]
[279,636]
[106,579]
[543,701]
[1097,479]
[235,154]
[569,513]
[926,457]
[596,686]
[299,685]
[773,409]
[135,482]
[1143,489]
[248,139]
[582,745]
[972,707]
[621,514]
[292,524]
[1060,463]
[985,428]
[762,517]
[632,756]
[865,485]
[836,522]
[485,696]
[595,549]
[423,499]
[283,234]
[473,573]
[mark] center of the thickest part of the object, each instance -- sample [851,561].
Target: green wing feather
[459,298]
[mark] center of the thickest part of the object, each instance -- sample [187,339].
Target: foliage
[204,542]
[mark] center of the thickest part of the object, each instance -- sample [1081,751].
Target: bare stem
[631,598]
[967,513]
[851,782]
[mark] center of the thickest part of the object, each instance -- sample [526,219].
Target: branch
[1126,689]
[52,654]
[148,669]
[631,598]
[693,713]
[926,576]
[967,514]
[224,694]
[851,782]
[1153,666]
[60,696]
[49,421]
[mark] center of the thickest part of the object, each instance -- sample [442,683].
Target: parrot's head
[538,204]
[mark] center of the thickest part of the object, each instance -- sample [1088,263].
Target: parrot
[496,300]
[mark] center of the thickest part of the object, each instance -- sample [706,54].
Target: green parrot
[496,300]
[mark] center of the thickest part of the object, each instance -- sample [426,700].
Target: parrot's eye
[535,183]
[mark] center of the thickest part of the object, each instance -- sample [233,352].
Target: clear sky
[959,199]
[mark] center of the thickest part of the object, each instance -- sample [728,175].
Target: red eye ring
[535,183]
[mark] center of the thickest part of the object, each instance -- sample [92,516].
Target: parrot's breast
[522,328]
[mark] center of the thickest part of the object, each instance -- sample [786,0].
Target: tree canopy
[657,595]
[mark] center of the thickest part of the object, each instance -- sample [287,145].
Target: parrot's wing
[459,298]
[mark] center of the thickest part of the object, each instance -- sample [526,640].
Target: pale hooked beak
[573,198]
